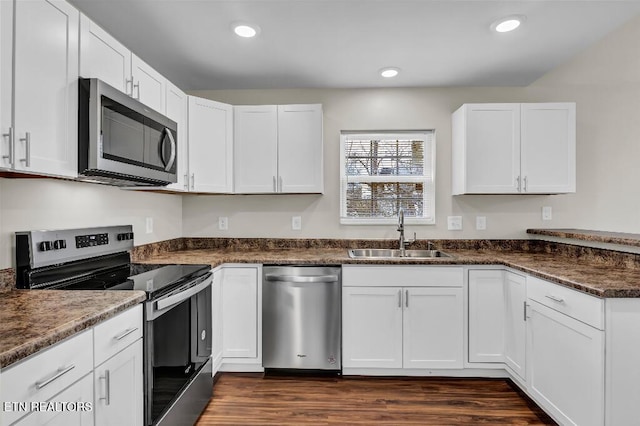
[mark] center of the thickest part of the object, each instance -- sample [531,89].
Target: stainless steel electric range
[177,334]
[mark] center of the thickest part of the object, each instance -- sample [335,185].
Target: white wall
[27,204]
[604,81]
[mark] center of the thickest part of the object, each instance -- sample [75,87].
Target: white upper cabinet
[177,111]
[300,148]
[44,125]
[6,77]
[514,148]
[104,57]
[210,146]
[256,149]
[278,149]
[149,85]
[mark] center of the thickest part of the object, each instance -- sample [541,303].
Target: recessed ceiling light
[389,72]
[508,23]
[244,30]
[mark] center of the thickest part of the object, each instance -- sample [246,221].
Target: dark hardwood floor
[251,399]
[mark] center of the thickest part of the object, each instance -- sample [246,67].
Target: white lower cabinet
[487,309]
[216,318]
[515,325]
[391,326]
[565,366]
[241,322]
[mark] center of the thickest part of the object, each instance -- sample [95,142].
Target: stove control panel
[44,248]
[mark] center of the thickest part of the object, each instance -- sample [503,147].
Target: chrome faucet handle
[400,218]
[430,245]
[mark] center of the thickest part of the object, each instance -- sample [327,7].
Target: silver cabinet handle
[525,184]
[280,180]
[524,310]
[172,157]
[107,387]
[518,183]
[27,149]
[193,181]
[125,333]
[12,147]
[61,372]
[127,83]
[136,86]
[186,181]
[399,298]
[275,185]
[554,298]
[406,298]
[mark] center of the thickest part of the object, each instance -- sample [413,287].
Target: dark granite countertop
[585,274]
[32,320]
[621,238]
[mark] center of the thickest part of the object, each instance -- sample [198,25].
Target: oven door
[177,350]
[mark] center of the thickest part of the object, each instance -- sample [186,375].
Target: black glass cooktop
[153,279]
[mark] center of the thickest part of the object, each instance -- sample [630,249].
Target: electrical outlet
[149,225]
[481,223]
[454,223]
[296,223]
[547,213]
[223,223]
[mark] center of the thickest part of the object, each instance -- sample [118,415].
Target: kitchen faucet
[401,230]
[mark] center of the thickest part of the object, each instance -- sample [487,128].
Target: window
[383,171]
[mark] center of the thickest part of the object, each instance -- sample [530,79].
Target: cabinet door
[240,313]
[80,394]
[210,146]
[372,327]
[565,366]
[46,87]
[6,78]
[104,57]
[515,323]
[300,148]
[492,148]
[177,111]
[548,147]
[149,86]
[486,316]
[216,318]
[118,388]
[433,328]
[256,149]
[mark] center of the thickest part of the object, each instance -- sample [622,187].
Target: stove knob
[120,237]
[59,244]
[130,235]
[45,246]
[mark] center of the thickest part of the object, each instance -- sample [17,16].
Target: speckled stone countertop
[621,238]
[597,276]
[31,320]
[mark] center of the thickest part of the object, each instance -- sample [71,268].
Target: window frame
[429,182]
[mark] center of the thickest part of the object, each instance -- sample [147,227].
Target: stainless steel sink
[395,254]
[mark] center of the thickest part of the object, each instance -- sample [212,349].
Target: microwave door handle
[172,157]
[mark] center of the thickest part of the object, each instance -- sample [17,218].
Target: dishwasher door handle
[302,278]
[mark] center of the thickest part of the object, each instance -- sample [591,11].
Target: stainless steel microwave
[121,141]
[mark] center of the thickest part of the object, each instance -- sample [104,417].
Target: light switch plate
[296,223]
[547,213]
[223,223]
[149,225]
[454,223]
[481,223]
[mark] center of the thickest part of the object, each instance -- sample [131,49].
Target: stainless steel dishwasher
[301,317]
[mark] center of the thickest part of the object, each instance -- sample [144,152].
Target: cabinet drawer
[401,276]
[117,333]
[41,376]
[581,306]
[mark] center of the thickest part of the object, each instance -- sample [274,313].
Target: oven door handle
[177,298]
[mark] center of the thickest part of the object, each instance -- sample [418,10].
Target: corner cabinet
[527,148]
[278,149]
[401,317]
[210,146]
[40,137]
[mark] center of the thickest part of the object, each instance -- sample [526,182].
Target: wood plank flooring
[250,399]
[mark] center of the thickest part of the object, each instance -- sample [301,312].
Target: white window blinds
[381,172]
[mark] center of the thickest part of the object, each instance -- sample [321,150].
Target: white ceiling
[344,43]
